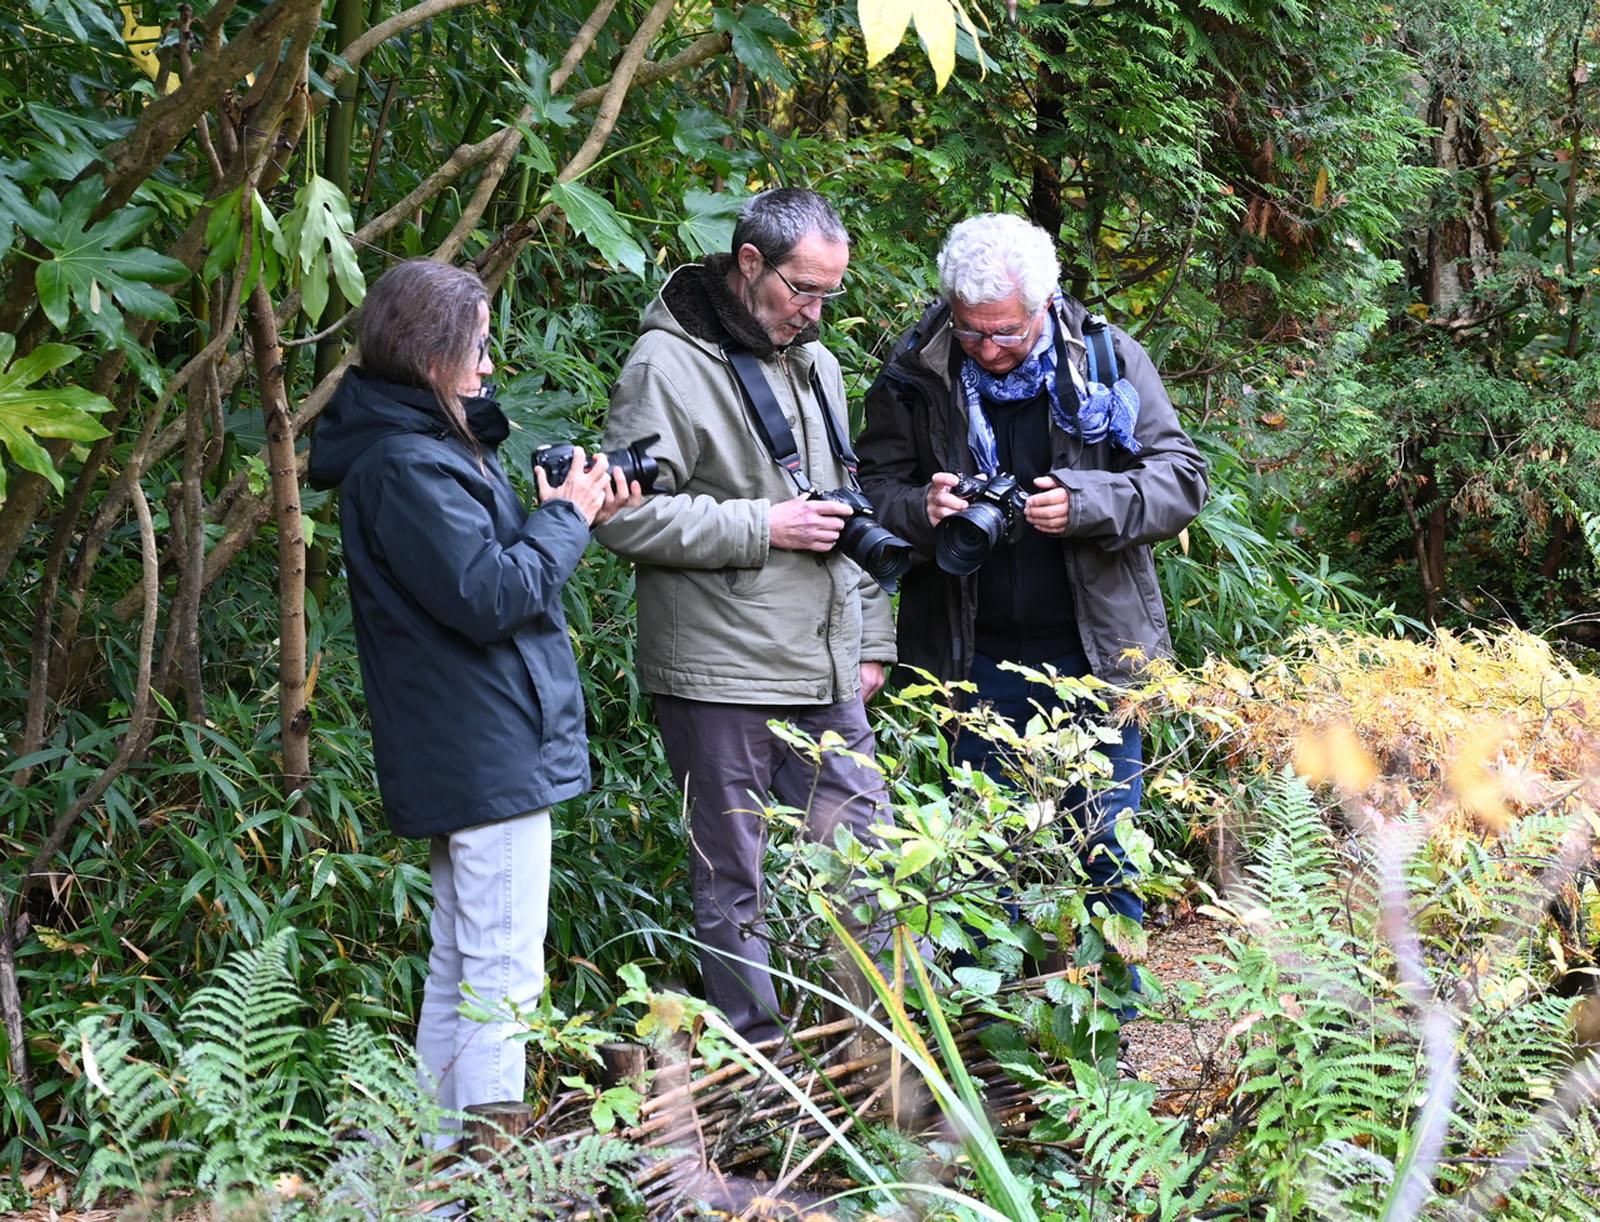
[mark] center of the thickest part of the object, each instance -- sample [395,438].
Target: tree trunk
[293,712]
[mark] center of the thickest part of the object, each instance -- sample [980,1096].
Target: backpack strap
[1099,350]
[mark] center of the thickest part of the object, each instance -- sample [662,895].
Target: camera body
[881,553]
[634,462]
[994,515]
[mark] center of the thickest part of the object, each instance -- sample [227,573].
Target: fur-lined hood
[698,298]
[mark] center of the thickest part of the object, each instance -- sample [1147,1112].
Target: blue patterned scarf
[1101,411]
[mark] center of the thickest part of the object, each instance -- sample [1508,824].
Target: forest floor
[1181,1056]
[1184,1060]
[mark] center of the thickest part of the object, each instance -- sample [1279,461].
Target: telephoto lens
[994,513]
[883,555]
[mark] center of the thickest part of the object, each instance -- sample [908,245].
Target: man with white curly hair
[995,380]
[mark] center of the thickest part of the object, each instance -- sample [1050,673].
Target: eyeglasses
[802,296]
[1005,339]
[483,350]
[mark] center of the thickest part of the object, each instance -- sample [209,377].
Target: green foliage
[229,1120]
[1329,1065]
[28,411]
[1502,459]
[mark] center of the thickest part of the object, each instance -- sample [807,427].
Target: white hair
[994,256]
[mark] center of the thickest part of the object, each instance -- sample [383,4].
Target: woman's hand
[593,489]
[618,494]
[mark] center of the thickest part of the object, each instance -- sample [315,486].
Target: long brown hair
[419,326]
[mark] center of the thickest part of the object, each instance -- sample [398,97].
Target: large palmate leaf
[225,241]
[883,25]
[593,216]
[28,411]
[756,33]
[707,226]
[318,232]
[92,261]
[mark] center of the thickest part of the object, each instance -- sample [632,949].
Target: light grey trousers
[491,895]
[727,760]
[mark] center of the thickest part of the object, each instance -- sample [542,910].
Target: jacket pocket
[740,581]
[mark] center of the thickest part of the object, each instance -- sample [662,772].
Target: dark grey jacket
[1119,503]
[477,713]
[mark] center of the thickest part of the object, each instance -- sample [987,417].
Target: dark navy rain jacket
[477,713]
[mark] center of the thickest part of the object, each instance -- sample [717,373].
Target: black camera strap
[775,432]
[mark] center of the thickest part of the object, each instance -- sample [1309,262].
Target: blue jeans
[1095,813]
[491,893]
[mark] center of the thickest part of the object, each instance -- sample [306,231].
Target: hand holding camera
[598,484]
[842,518]
[996,513]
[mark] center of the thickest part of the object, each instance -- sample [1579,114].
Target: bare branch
[382,32]
[587,33]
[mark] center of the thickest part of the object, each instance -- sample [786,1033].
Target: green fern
[243,1071]
[131,1129]
[543,1180]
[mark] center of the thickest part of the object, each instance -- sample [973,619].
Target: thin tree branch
[581,42]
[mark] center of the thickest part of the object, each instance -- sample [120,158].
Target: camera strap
[775,432]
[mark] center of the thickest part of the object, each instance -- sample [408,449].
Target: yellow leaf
[142,41]
[883,25]
[1335,754]
[936,26]
[91,1068]
[1319,193]
[1472,780]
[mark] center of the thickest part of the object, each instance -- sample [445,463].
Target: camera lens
[883,555]
[637,463]
[964,540]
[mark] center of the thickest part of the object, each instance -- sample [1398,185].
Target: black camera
[556,462]
[994,514]
[881,553]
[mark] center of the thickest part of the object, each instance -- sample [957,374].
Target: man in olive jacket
[748,612]
[994,380]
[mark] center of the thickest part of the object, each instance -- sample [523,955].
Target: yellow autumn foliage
[1472,730]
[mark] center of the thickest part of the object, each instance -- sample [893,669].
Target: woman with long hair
[470,680]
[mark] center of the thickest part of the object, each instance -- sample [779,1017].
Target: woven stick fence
[701,1127]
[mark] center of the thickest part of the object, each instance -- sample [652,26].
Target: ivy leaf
[27,411]
[593,216]
[317,233]
[756,32]
[91,262]
[708,226]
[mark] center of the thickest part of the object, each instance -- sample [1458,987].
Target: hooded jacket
[723,617]
[1118,503]
[477,713]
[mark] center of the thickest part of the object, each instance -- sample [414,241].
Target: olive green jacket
[723,616]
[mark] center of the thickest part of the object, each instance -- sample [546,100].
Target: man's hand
[941,504]
[1047,511]
[805,525]
[586,487]
[873,675]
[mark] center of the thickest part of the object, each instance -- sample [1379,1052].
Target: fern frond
[130,1130]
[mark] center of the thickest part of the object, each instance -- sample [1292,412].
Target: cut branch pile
[703,1129]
